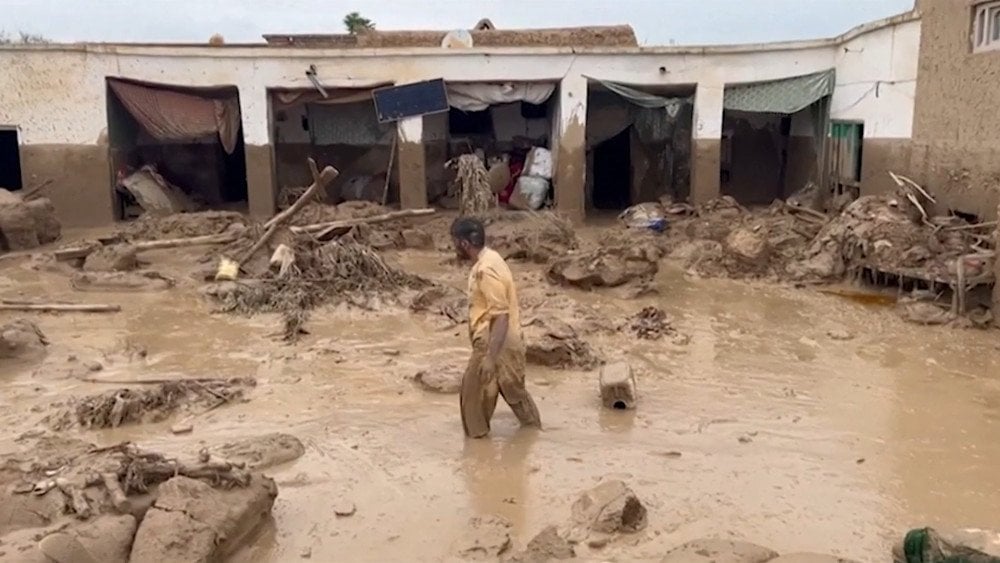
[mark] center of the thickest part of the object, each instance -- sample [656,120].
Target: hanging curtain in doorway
[478,96]
[182,114]
[643,99]
[787,95]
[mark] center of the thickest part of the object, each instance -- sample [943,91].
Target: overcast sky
[656,22]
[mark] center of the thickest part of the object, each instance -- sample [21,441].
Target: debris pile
[153,193]
[127,503]
[879,233]
[553,343]
[443,300]
[181,225]
[26,221]
[20,338]
[606,266]
[337,271]
[152,403]
[652,323]
[532,236]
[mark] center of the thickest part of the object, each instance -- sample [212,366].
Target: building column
[412,165]
[706,144]
[262,189]
[569,147]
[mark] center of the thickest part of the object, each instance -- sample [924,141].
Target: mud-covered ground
[795,419]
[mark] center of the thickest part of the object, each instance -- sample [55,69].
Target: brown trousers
[479,392]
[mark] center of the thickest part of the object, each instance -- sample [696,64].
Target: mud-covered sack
[650,215]
[969,545]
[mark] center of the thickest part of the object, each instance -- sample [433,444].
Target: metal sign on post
[393,103]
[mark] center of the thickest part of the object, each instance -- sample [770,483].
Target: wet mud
[761,425]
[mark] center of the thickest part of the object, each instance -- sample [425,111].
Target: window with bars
[986,26]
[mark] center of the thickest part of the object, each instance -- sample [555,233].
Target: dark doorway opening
[613,172]
[10,160]
[191,162]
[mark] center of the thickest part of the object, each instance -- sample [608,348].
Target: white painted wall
[56,93]
[877,80]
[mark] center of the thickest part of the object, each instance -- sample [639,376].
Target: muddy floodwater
[762,427]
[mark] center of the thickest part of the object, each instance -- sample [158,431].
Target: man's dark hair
[470,230]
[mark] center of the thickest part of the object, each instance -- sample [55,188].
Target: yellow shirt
[492,293]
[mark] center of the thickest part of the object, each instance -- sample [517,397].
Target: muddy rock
[47,226]
[106,539]
[444,379]
[443,300]
[486,538]
[548,545]
[689,250]
[19,511]
[115,258]
[20,338]
[553,343]
[609,508]
[719,551]
[606,267]
[190,521]
[17,227]
[261,452]
[748,245]
[179,225]
[417,239]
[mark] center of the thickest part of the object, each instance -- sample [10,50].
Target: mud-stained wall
[956,119]
[55,94]
[79,179]
[260,182]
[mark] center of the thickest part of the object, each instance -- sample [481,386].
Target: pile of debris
[180,225]
[534,236]
[126,503]
[723,239]
[553,343]
[651,323]
[154,402]
[26,221]
[310,273]
[608,266]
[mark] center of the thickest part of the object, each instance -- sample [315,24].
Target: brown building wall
[955,141]
[77,178]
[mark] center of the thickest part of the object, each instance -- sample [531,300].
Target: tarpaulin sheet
[644,99]
[787,95]
[289,98]
[479,96]
[174,115]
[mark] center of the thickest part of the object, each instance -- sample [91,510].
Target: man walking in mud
[497,362]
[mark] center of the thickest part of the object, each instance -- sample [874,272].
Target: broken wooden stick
[330,226]
[221,238]
[901,180]
[9,305]
[970,227]
[807,211]
[388,170]
[320,181]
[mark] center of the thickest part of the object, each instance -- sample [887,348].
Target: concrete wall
[955,151]
[55,95]
[876,83]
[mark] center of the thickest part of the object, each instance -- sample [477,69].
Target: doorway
[10,160]
[613,172]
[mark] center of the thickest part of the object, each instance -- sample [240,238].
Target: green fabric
[786,95]
[925,545]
